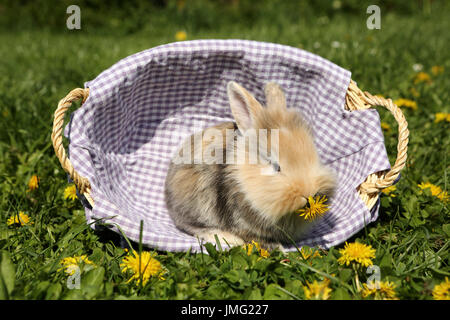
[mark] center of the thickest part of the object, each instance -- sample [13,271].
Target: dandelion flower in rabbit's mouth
[315,207]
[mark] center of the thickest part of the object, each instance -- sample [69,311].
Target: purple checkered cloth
[142,108]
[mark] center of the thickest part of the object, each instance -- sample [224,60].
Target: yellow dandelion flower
[144,265]
[368,290]
[422,77]
[181,35]
[442,291]
[389,191]
[435,191]
[317,290]
[264,253]
[19,219]
[385,126]
[307,253]
[70,192]
[443,196]
[357,253]
[406,103]
[315,207]
[441,116]
[380,290]
[71,264]
[249,249]
[436,70]
[33,183]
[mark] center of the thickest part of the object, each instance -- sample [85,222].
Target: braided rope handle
[82,183]
[358,100]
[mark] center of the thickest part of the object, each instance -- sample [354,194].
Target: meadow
[408,60]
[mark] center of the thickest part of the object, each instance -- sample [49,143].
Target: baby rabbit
[241,202]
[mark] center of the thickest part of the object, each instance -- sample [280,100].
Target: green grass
[42,61]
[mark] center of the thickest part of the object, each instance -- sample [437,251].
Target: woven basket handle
[357,100]
[82,183]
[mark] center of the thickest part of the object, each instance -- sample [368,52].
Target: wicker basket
[311,80]
[355,100]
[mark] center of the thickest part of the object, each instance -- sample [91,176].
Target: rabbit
[242,202]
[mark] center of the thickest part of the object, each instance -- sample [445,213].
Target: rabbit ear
[243,105]
[274,96]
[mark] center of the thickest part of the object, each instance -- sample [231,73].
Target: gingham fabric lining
[141,109]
